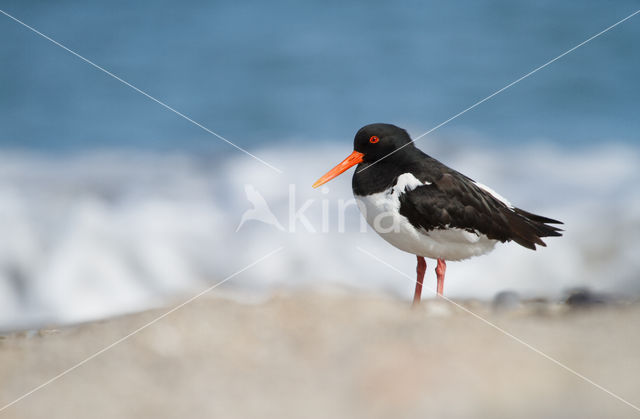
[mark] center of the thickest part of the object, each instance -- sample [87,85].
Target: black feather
[451,200]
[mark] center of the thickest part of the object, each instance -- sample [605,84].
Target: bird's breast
[382,210]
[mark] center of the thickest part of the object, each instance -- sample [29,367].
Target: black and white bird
[423,207]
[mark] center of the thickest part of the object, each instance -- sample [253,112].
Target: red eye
[374,139]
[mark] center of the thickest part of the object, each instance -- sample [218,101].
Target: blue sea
[110,203]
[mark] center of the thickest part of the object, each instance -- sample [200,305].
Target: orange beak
[353,159]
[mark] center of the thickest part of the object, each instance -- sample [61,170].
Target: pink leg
[420,269]
[440,270]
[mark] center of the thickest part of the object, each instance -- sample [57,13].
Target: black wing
[454,200]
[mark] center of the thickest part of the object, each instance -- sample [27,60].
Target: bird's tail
[529,228]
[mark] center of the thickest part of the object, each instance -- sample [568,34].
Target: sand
[332,355]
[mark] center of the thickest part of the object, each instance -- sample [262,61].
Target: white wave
[91,235]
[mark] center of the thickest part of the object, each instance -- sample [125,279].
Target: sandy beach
[332,355]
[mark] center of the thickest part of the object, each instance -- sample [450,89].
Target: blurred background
[110,203]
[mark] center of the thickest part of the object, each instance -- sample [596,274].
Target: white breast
[382,212]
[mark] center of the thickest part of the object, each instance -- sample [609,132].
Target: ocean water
[110,203]
[262,72]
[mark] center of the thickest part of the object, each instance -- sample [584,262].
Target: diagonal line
[122,339]
[501,330]
[505,87]
[141,92]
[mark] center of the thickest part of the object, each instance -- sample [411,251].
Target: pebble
[584,298]
[506,301]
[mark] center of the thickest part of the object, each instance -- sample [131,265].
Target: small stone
[437,308]
[584,298]
[506,301]
[47,332]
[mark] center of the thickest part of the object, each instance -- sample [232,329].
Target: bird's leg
[440,270]
[420,270]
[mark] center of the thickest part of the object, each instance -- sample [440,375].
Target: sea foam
[95,234]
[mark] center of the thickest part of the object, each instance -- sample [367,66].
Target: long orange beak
[353,159]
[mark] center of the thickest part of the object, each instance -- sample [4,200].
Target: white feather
[382,212]
[495,194]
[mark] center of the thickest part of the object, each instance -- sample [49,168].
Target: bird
[260,211]
[428,209]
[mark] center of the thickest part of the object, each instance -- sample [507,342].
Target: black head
[372,143]
[375,141]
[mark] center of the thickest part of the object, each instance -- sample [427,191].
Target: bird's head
[372,143]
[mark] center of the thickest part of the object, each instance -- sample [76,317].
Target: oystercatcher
[423,207]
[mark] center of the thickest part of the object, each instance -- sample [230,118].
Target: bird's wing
[452,200]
